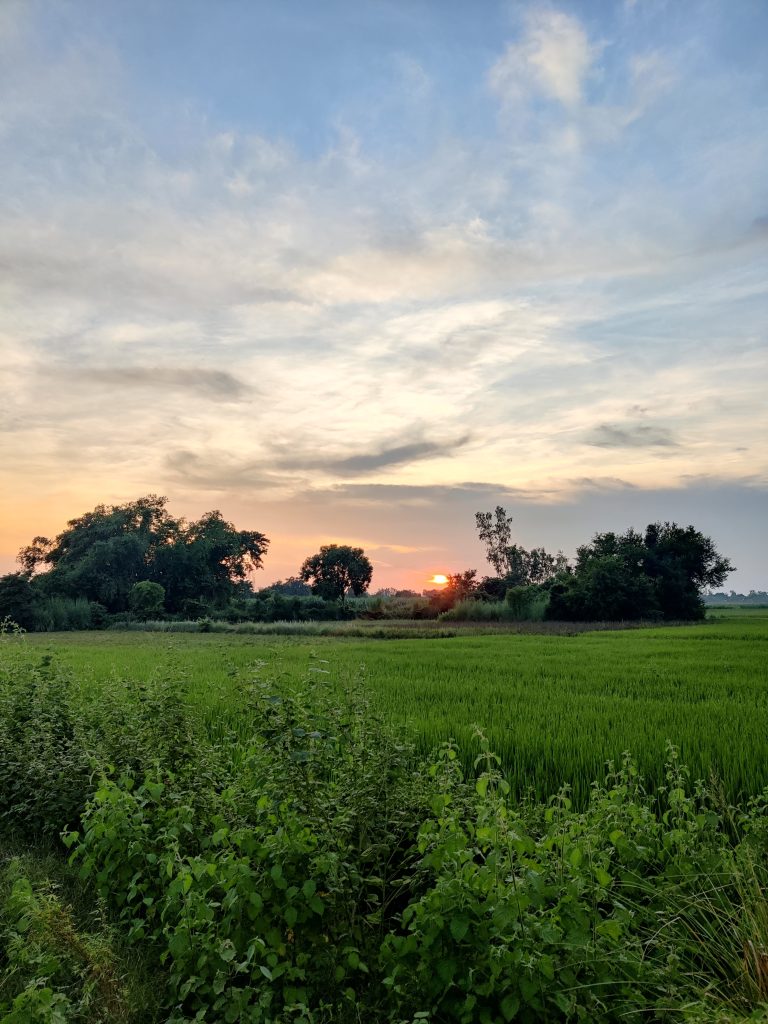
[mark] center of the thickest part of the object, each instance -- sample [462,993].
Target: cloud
[418,495]
[399,455]
[554,57]
[630,435]
[217,385]
[364,463]
[526,279]
[220,471]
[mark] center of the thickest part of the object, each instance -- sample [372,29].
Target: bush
[53,970]
[18,600]
[44,767]
[147,600]
[529,608]
[62,614]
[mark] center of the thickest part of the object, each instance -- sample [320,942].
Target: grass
[555,707]
[265,848]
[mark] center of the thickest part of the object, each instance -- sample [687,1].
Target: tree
[102,554]
[495,531]
[17,600]
[604,589]
[291,587]
[657,574]
[513,564]
[335,569]
[461,586]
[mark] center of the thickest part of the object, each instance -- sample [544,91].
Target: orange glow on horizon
[439,578]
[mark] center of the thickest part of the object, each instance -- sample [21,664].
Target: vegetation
[754,599]
[135,562]
[314,867]
[252,827]
[631,576]
[337,569]
[554,706]
[103,554]
[513,564]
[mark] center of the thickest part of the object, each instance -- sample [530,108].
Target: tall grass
[495,611]
[62,614]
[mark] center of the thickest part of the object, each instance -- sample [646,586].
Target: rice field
[555,707]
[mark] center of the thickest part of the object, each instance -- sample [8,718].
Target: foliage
[755,599]
[17,600]
[526,603]
[146,599]
[44,768]
[291,587]
[513,564]
[528,606]
[102,554]
[336,569]
[658,574]
[53,970]
[62,614]
[307,867]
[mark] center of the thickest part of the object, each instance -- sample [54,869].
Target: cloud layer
[531,254]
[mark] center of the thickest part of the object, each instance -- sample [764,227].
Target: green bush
[62,614]
[147,600]
[526,604]
[44,767]
[53,968]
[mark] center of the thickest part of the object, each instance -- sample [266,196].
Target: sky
[353,271]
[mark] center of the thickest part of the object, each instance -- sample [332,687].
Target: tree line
[136,560]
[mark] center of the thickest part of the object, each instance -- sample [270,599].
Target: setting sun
[439,578]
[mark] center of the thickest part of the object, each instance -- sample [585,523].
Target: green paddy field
[554,707]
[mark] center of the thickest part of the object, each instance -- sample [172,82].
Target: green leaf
[459,927]
[317,905]
[602,876]
[509,1006]
[547,967]
[227,951]
[610,927]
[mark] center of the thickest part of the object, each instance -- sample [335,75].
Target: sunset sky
[353,271]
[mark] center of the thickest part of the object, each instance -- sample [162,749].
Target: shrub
[44,767]
[147,599]
[62,614]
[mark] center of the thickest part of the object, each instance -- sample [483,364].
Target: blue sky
[352,271]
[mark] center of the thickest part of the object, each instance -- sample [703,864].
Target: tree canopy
[655,575]
[104,553]
[514,565]
[336,569]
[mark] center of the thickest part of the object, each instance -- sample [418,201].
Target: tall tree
[495,531]
[102,554]
[513,564]
[336,569]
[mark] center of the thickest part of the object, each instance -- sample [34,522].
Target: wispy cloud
[630,435]
[554,56]
[214,384]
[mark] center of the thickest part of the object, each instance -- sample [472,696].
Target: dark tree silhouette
[336,569]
